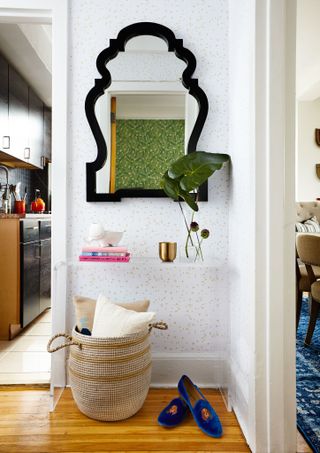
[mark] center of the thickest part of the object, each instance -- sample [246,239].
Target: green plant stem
[189,238]
[186,247]
[184,217]
[199,249]
[192,219]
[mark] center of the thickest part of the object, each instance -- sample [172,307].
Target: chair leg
[298,307]
[312,321]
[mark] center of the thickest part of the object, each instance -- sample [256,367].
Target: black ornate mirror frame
[118,45]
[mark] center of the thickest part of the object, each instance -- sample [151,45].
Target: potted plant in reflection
[182,181]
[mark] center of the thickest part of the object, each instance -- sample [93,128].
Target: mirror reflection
[146,116]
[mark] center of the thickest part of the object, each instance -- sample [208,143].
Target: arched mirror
[145,112]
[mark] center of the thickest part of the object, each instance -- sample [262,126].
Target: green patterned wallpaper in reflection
[145,149]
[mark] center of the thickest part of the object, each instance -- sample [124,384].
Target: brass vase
[167,251]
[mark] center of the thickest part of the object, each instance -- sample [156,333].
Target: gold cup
[167,251]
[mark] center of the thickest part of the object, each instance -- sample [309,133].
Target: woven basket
[109,377]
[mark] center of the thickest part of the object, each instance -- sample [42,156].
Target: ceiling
[151,106]
[28,47]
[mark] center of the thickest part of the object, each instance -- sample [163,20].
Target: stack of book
[112,254]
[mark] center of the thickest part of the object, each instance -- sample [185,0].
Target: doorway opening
[26,191]
[308,220]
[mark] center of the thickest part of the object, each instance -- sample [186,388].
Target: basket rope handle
[70,342]
[158,325]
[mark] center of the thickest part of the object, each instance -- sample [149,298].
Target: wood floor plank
[302,446]
[27,426]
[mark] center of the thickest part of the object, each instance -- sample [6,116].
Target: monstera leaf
[186,174]
[170,186]
[195,168]
[189,199]
[173,189]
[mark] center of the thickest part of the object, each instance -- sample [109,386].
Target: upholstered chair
[307,209]
[308,249]
[303,285]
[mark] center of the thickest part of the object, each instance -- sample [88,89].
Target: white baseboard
[238,400]
[206,370]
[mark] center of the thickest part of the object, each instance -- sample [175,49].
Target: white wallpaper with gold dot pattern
[193,300]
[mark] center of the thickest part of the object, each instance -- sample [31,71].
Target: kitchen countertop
[37,216]
[11,216]
[24,216]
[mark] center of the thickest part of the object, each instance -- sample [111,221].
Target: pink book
[116,249]
[106,259]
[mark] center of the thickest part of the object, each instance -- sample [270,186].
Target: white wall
[261,222]
[241,207]
[193,300]
[308,152]
[308,50]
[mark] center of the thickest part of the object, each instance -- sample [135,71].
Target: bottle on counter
[38,205]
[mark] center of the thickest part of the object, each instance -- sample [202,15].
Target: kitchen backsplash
[31,179]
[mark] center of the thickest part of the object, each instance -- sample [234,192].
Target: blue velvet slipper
[173,414]
[202,411]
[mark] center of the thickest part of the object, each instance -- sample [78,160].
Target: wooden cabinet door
[35,128]
[4,103]
[47,133]
[9,277]
[18,114]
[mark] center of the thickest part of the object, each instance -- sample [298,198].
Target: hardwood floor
[27,427]
[302,446]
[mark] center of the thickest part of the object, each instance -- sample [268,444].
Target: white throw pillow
[113,321]
[309,226]
[85,308]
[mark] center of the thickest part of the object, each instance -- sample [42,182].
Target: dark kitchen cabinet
[30,272]
[45,275]
[24,119]
[35,265]
[47,133]
[18,114]
[36,129]
[4,102]
[45,264]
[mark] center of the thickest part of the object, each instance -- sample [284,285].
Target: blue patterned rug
[308,382]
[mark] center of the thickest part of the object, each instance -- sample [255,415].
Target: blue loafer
[173,414]
[202,411]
